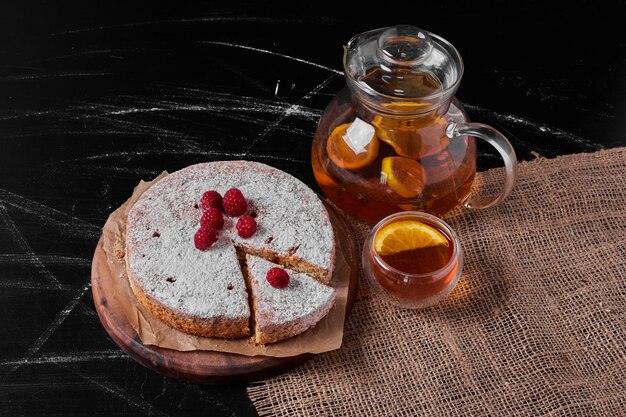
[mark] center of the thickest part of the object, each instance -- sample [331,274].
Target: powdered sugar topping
[290,217]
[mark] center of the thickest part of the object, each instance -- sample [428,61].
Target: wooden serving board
[203,366]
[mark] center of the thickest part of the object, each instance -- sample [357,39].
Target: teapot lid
[402,62]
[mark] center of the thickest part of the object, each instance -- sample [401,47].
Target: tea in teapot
[396,139]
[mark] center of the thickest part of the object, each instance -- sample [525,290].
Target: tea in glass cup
[412,259]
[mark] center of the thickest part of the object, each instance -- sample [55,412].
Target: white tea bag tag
[359,135]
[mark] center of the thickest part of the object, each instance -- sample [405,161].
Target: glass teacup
[424,271]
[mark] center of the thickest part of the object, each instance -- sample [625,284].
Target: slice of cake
[203,292]
[280,313]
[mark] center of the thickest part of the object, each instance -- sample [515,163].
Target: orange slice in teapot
[342,155]
[415,137]
[403,175]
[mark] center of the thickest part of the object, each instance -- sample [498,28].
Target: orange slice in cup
[403,175]
[343,156]
[405,235]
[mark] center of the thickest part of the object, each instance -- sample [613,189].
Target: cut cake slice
[280,313]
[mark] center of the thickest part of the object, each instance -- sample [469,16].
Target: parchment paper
[325,336]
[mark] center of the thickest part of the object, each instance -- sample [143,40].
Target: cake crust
[223,327]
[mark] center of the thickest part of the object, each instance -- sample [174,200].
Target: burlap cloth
[536,325]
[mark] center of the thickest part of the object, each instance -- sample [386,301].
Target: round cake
[205,292]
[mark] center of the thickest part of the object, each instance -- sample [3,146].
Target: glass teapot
[396,138]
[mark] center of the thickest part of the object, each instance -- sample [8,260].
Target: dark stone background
[95,97]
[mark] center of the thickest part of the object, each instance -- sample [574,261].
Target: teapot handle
[502,144]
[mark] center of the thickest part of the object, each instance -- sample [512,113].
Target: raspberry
[205,237]
[213,218]
[234,203]
[211,199]
[246,226]
[277,277]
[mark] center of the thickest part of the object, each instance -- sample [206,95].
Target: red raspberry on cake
[246,226]
[212,218]
[234,202]
[211,199]
[277,277]
[205,237]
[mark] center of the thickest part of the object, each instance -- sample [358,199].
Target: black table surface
[95,97]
